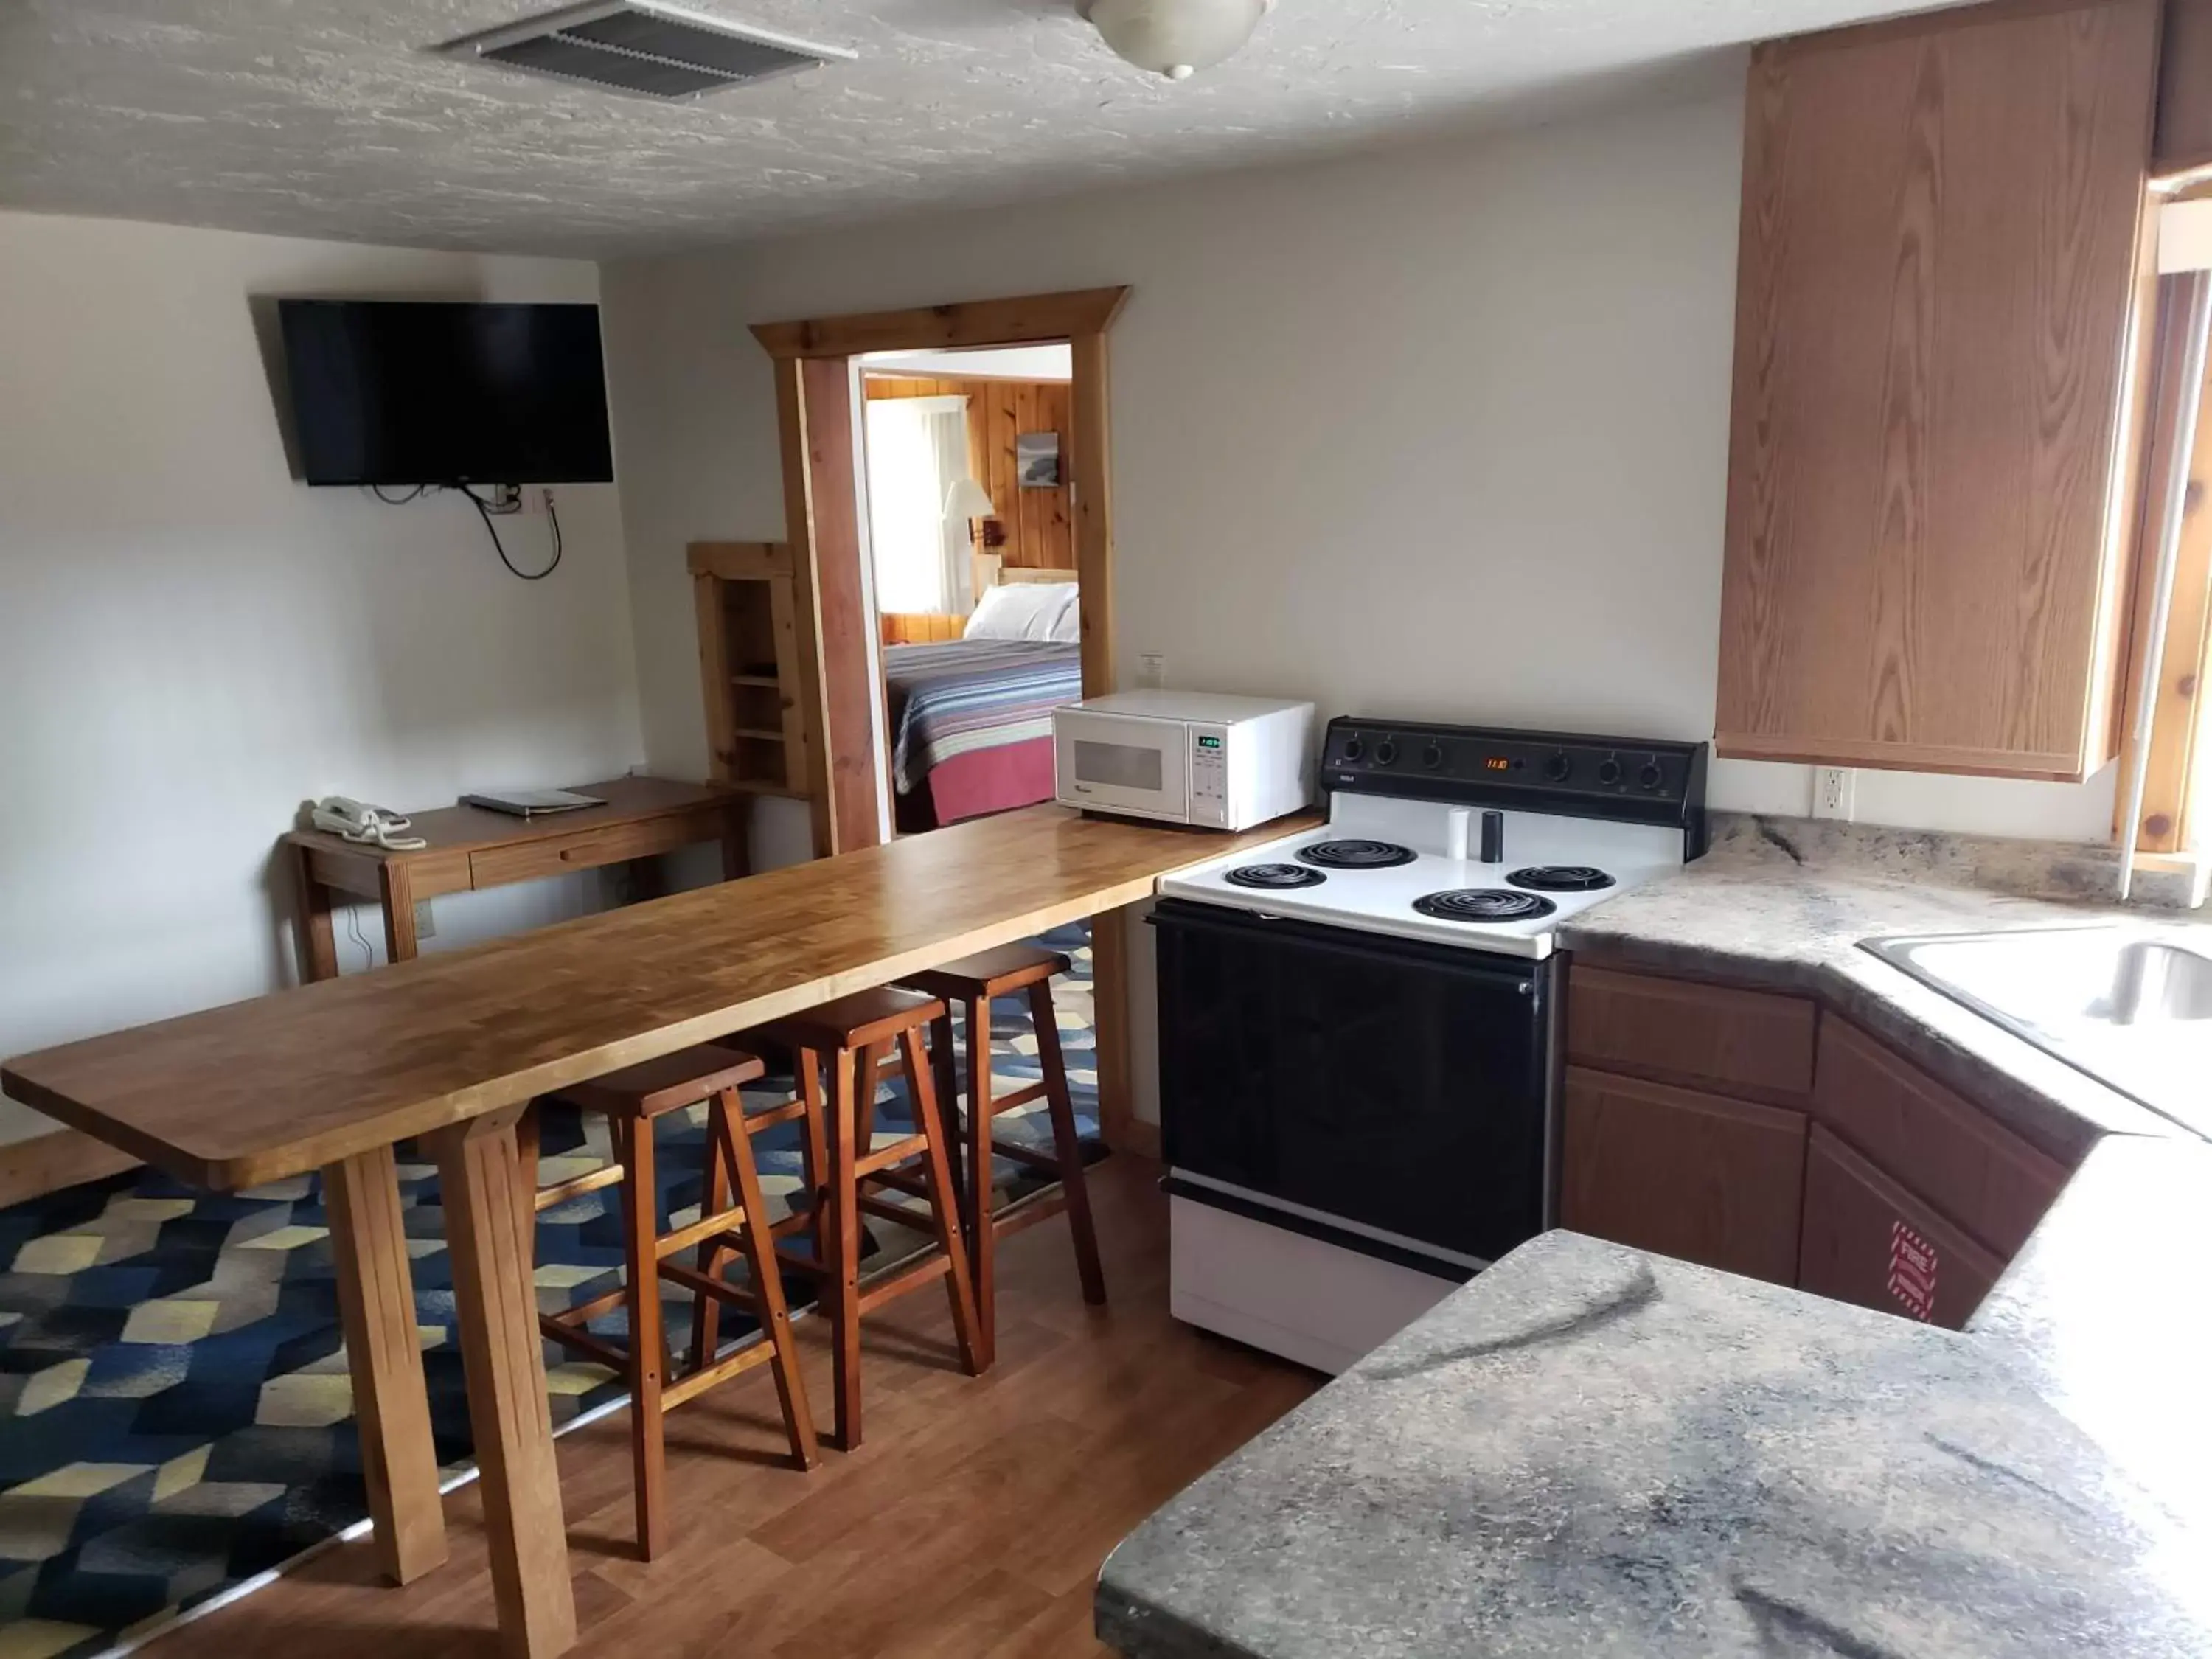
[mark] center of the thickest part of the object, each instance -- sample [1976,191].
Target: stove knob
[1433,756]
[1354,748]
[1558,769]
[1650,777]
[1386,751]
[1609,771]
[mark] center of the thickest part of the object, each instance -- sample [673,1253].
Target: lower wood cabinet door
[1679,1173]
[1870,1241]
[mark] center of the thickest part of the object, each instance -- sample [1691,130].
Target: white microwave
[1185,757]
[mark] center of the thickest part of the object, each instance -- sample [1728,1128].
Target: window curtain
[917,450]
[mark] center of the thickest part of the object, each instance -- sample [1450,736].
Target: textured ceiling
[326,117]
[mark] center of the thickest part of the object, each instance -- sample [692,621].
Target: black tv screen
[409,392]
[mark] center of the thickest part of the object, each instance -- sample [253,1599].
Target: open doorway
[836,633]
[970,535]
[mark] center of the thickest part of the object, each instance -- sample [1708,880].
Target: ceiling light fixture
[1177,38]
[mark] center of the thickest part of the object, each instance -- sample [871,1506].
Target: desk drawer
[590,846]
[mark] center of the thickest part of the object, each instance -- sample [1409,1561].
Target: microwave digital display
[1497,763]
[1209,743]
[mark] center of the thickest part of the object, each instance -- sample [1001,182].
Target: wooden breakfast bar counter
[453,1047]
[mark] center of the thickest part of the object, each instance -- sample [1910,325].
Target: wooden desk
[453,1046]
[471,849]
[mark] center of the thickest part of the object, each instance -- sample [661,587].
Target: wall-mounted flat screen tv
[413,392]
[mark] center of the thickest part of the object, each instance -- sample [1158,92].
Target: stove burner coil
[1484,904]
[1356,854]
[1561,878]
[1274,877]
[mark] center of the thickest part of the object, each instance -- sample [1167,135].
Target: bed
[970,721]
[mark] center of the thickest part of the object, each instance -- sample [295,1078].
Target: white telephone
[356,820]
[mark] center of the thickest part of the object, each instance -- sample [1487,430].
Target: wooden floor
[970,1525]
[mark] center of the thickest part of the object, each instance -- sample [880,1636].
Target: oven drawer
[1398,1085]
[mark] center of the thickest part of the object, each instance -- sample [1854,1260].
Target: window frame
[2177,796]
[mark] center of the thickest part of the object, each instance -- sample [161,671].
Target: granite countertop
[1591,1451]
[1588,1450]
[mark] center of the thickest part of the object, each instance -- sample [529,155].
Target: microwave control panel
[1209,774]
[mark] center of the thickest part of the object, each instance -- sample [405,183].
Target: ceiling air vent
[652,50]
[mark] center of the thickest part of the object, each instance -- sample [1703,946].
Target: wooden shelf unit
[750,667]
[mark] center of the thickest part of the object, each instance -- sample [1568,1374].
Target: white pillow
[1025,611]
[1066,627]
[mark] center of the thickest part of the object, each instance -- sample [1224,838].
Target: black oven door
[1397,1085]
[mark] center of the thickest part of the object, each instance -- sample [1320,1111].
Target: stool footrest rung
[768,1117]
[1028,1095]
[591,1310]
[614,1358]
[902,1181]
[706,1285]
[562,1191]
[884,1158]
[802,1264]
[759,1353]
[706,1227]
[911,1277]
[904,1215]
[1040,1205]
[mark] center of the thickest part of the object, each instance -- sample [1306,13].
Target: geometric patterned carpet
[176,1416]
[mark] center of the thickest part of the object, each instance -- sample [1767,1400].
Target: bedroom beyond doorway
[970,542]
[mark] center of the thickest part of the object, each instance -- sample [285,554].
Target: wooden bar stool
[632,1100]
[855,1034]
[971,983]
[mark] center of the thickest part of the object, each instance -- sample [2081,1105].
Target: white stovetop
[1381,900]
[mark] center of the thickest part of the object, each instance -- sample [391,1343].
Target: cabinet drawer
[1694,1176]
[590,846]
[1750,1043]
[1984,1177]
[1853,1213]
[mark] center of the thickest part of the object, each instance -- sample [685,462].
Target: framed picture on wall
[1037,460]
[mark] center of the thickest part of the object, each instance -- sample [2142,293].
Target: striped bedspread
[964,694]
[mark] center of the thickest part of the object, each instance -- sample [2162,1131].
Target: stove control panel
[1643,780]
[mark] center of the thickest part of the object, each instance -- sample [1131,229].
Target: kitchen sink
[2130,1005]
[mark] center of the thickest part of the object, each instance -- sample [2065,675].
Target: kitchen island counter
[1593,1451]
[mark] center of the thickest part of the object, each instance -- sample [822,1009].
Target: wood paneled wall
[1038,522]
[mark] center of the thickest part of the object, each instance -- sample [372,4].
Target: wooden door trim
[798,537]
[1025,319]
[812,357]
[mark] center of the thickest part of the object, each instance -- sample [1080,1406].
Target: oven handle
[1343,942]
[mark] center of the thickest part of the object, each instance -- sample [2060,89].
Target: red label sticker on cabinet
[1912,1271]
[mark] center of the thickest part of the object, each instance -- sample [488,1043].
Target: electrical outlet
[426,919]
[1835,791]
[505,499]
[1151,671]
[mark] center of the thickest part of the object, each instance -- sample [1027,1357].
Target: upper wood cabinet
[1931,473]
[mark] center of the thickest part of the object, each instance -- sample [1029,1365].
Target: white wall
[1440,433]
[191,643]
